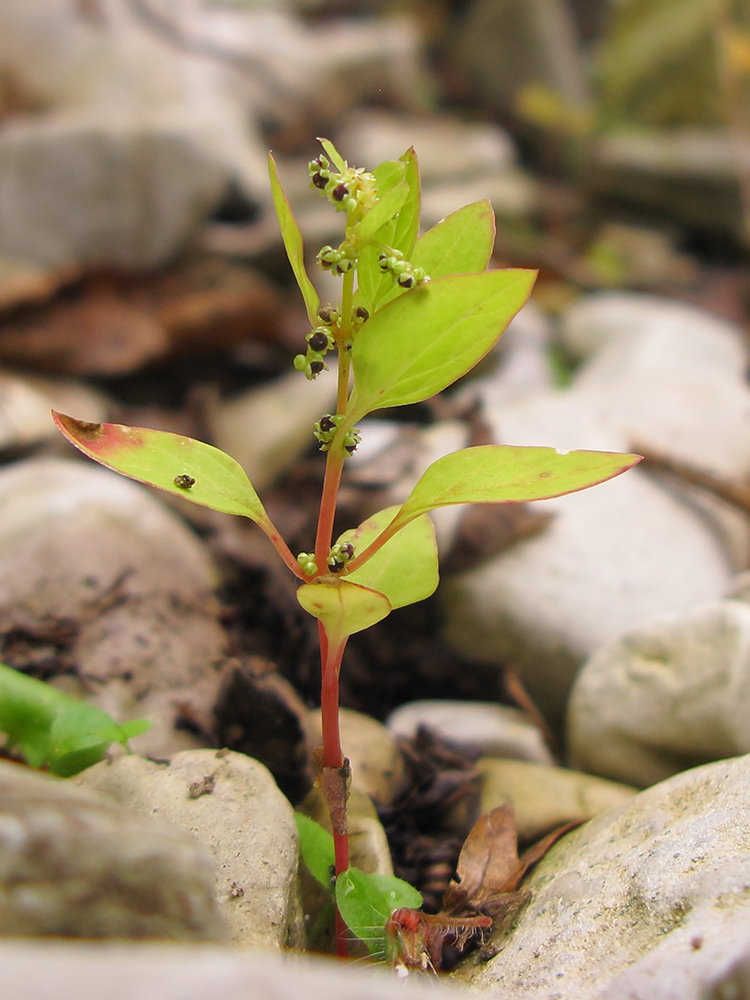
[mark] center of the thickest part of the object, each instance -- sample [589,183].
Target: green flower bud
[307,563]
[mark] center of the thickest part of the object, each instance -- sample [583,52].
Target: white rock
[83,546]
[25,405]
[77,971]
[543,797]
[612,556]
[669,694]
[231,804]
[647,901]
[265,429]
[594,321]
[475,726]
[72,864]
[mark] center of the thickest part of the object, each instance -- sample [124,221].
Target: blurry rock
[447,148]
[668,378]
[475,727]
[667,695]
[610,557]
[686,173]
[648,900]
[376,761]
[267,428]
[95,187]
[101,580]
[233,807]
[72,864]
[501,46]
[595,321]
[25,405]
[76,971]
[152,115]
[543,797]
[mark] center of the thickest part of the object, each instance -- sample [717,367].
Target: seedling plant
[416,313]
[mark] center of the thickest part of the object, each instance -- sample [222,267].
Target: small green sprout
[416,314]
[54,730]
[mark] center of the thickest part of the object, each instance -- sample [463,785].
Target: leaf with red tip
[180,465]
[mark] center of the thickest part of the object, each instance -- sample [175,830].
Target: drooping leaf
[344,608]
[180,465]
[404,569]
[459,244]
[424,341]
[317,850]
[488,864]
[509,474]
[52,728]
[292,237]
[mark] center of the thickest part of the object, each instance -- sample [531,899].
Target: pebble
[544,797]
[474,727]
[74,865]
[232,806]
[664,696]
[647,901]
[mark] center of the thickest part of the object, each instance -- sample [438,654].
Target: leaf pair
[365,901]
[52,729]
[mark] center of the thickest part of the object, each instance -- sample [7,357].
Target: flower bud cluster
[407,276]
[339,556]
[352,190]
[319,342]
[307,563]
[325,431]
[338,259]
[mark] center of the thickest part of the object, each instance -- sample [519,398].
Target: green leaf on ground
[292,237]
[179,465]
[53,729]
[425,340]
[344,608]
[365,903]
[406,568]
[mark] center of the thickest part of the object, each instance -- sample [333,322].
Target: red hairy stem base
[330,659]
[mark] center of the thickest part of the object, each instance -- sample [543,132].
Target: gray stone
[25,405]
[543,797]
[83,546]
[475,727]
[37,971]
[647,901]
[231,804]
[669,694]
[72,864]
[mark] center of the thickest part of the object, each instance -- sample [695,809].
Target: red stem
[330,659]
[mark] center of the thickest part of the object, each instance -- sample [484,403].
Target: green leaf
[333,154]
[422,342]
[397,892]
[317,850]
[364,908]
[405,569]
[459,244]
[344,608]
[292,237]
[388,175]
[407,223]
[382,212]
[52,728]
[160,459]
[508,474]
